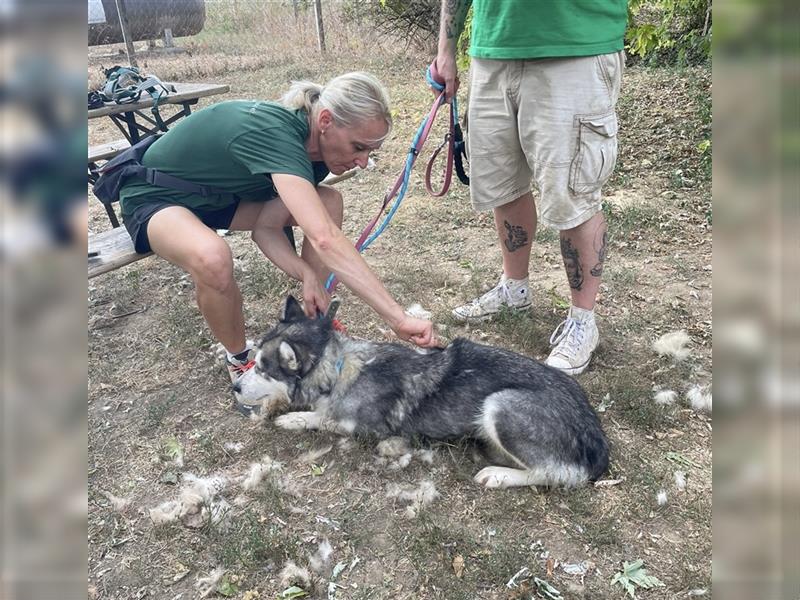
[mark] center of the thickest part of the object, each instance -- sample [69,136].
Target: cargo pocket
[596,154]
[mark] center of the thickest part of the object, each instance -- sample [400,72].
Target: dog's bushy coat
[534,420]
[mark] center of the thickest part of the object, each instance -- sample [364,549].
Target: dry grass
[153,376]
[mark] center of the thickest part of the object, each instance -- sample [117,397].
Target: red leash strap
[435,80]
[449,141]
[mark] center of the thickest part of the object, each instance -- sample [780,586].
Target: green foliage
[669,31]
[227,587]
[462,48]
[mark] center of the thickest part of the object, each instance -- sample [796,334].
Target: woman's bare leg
[177,235]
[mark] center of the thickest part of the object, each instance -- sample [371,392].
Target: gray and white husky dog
[534,422]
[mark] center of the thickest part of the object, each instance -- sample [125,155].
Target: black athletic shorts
[136,224]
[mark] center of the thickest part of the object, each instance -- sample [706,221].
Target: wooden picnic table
[135,123]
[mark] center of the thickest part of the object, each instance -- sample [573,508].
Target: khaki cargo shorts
[548,121]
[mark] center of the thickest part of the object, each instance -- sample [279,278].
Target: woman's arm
[276,247]
[341,257]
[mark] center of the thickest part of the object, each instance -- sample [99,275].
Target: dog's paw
[490,478]
[298,421]
[502,477]
[393,447]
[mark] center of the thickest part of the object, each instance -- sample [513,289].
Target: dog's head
[292,349]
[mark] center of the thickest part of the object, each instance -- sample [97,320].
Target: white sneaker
[574,340]
[509,293]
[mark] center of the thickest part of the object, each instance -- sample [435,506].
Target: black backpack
[128,163]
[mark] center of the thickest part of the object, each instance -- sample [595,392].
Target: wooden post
[320,28]
[122,13]
[168,43]
[708,17]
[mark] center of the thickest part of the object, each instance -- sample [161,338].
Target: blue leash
[401,186]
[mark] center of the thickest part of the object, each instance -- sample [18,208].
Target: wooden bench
[110,250]
[113,249]
[107,151]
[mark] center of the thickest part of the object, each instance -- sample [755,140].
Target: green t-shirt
[235,146]
[507,29]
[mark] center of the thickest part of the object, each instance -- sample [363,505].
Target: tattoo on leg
[597,270]
[572,263]
[517,237]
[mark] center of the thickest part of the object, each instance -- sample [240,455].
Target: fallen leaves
[458,566]
[634,575]
[680,459]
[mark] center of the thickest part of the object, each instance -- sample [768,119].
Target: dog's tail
[595,451]
[552,452]
[584,459]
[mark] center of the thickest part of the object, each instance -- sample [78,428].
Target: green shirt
[235,146]
[507,29]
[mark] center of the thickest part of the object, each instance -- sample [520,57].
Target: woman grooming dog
[534,422]
[271,157]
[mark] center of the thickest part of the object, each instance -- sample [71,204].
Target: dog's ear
[332,308]
[292,311]
[288,358]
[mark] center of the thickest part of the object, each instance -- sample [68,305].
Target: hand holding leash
[454,140]
[444,72]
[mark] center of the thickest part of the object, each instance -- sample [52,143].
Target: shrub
[669,31]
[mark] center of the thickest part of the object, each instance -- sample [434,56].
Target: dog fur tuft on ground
[673,344]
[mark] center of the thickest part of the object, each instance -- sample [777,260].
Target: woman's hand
[417,331]
[315,297]
[341,257]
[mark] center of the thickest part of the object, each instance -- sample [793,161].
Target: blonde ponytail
[352,98]
[302,94]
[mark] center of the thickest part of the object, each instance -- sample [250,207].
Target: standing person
[544,83]
[271,157]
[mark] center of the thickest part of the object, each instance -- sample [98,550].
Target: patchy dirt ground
[159,406]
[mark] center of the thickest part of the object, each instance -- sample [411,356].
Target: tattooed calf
[597,270]
[517,237]
[572,263]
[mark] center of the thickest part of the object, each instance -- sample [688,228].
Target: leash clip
[441,146]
